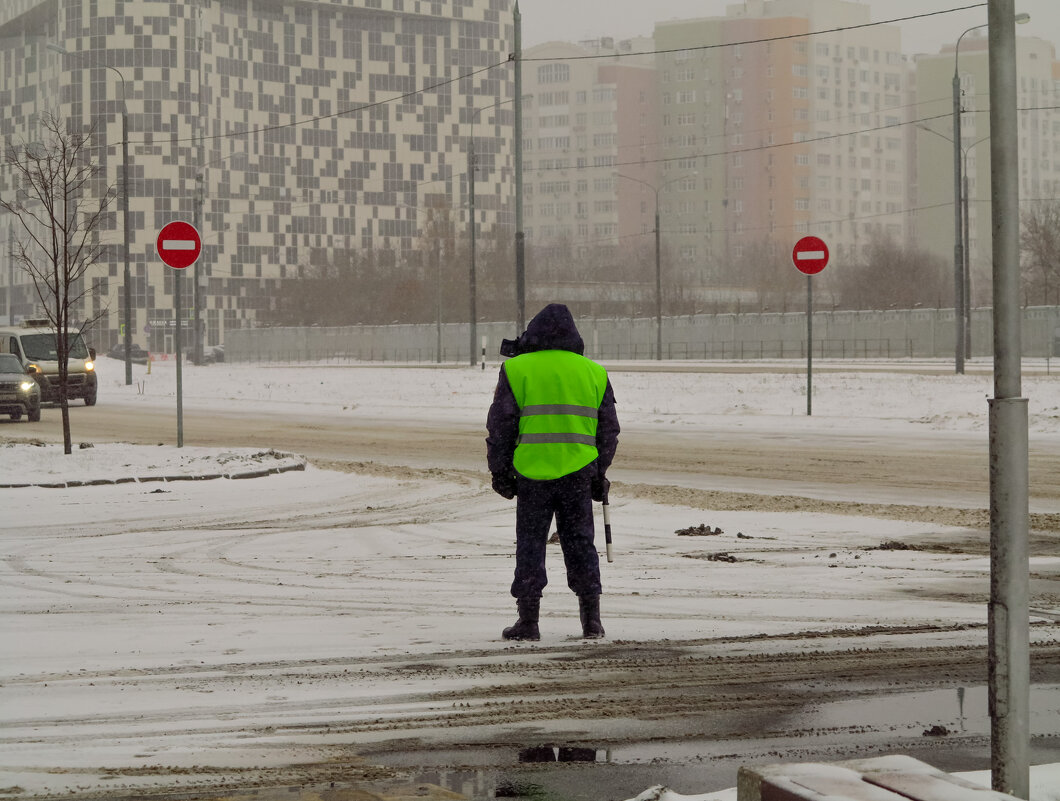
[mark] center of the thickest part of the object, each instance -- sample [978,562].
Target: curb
[261,473]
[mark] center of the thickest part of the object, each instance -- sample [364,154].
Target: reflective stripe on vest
[559,395]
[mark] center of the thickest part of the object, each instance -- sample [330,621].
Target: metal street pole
[658,254]
[966,267]
[197,355]
[178,290]
[520,237]
[962,293]
[127,305]
[658,284]
[471,207]
[968,251]
[958,250]
[127,323]
[10,274]
[438,296]
[1007,622]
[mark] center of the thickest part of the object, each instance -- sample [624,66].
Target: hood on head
[552,329]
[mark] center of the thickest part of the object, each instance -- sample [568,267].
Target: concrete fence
[915,333]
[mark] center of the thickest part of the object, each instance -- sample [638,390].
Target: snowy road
[339,623]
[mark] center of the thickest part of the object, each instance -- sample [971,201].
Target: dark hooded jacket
[552,328]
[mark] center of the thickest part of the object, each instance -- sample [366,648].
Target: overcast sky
[574,20]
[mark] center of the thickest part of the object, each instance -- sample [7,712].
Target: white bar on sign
[178,244]
[811,254]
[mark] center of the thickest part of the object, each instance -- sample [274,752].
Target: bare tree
[1040,243]
[59,201]
[891,275]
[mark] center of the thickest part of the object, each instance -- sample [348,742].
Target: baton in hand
[607,528]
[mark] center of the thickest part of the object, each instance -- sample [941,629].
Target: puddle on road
[917,724]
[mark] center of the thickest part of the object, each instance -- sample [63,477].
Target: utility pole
[958,227]
[10,274]
[520,237]
[197,293]
[658,282]
[1008,627]
[126,276]
[200,192]
[438,294]
[471,208]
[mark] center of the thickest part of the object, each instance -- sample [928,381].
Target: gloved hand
[599,487]
[504,485]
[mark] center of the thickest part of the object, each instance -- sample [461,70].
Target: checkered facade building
[289,130]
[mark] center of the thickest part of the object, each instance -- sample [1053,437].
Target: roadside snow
[119,579]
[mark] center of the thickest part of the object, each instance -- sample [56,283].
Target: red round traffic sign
[179,244]
[810,255]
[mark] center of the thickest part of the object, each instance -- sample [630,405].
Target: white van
[33,342]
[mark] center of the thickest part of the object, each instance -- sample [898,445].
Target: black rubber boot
[589,607]
[525,627]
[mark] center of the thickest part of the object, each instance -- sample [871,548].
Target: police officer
[553,431]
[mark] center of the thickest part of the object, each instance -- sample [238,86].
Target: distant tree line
[385,286]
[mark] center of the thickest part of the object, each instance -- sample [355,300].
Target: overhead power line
[511,58]
[764,39]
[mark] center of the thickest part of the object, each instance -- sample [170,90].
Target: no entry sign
[810,255]
[179,244]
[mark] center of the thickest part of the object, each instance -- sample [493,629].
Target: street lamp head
[1022,18]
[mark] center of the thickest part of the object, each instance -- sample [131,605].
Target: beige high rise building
[770,131]
[1038,78]
[591,120]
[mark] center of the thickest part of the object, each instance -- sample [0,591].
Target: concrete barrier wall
[916,333]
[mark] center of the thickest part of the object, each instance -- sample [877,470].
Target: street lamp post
[658,256]
[127,304]
[471,242]
[471,207]
[961,306]
[967,252]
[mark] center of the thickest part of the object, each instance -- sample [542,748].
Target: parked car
[213,354]
[19,392]
[137,354]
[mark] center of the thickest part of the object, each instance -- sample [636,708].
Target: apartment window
[553,73]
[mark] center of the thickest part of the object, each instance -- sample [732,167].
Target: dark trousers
[569,499]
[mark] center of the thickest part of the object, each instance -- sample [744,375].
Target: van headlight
[90,366]
[33,368]
[27,386]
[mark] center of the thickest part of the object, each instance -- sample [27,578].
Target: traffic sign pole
[809,345]
[177,290]
[179,245]
[810,256]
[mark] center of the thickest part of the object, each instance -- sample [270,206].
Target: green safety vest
[559,395]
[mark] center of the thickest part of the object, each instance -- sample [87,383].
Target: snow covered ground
[111,579]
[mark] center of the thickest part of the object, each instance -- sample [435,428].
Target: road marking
[178,244]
